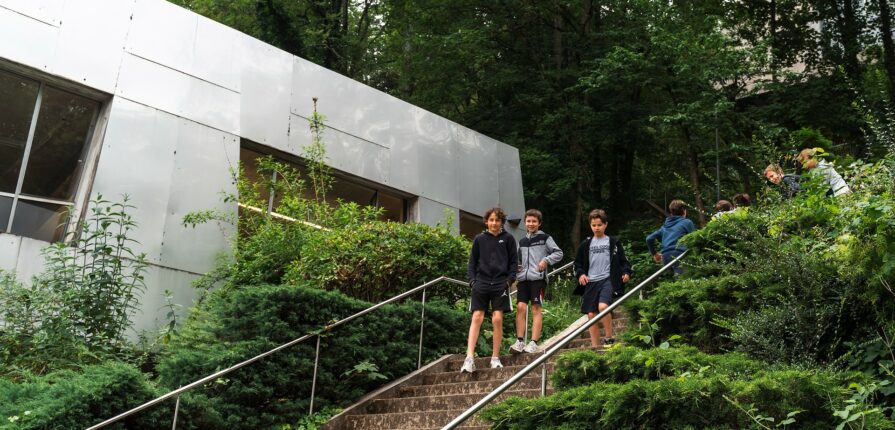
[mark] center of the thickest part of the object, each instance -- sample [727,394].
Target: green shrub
[624,363]
[687,402]
[236,324]
[376,260]
[68,399]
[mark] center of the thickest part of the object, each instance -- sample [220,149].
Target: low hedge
[68,399]
[239,323]
[624,363]
[717,402]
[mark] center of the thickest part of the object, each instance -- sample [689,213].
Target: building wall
[181,90]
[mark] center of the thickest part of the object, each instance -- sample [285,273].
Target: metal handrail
[329,327]
[325,329]
[553,350]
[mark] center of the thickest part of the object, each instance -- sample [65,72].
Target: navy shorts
[531,291]
[490,299]
[596,293]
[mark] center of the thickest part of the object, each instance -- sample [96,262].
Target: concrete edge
[555,339]
[359,407]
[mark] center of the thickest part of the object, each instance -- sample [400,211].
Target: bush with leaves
[236,324]
[77,311]
[68,399]
[683,388]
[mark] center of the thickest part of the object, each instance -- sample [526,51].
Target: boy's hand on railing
[582,279]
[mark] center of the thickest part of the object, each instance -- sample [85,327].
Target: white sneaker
[495,363]
[531,347]
[517,347]
[468,365]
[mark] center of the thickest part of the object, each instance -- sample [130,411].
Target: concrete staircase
[434,395]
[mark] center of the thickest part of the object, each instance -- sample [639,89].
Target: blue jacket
[675,227]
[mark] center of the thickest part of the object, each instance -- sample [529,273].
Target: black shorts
[531,291]
[596,293]
[490,299]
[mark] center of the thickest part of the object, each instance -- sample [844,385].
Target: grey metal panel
[137,158]
[178,93]
[30,262]
[27,41]
[219,56]
[163,33]
[348,105]
[437,159]
[478,168]
[152,312]
[266,94]
[509,185]
[47,11]
[9,251]
[91,42]
[404,153]
[202,164]
[431,212]
[346,153]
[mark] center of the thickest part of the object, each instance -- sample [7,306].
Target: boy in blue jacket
[602,271]
[676,226]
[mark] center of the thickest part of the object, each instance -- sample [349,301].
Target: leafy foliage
[681,388]
[236,324]
[78,310]
[67,399]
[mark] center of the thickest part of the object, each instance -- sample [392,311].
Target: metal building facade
[180,91]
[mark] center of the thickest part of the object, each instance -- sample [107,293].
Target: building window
[43,141]
[471,225]
[394,207]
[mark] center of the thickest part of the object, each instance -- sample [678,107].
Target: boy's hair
[599,214]
[496,211]
[535,213]
[773,168]
[807,153]
[677,207]
[724,206]
[742,200]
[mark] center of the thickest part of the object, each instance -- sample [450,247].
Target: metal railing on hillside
[541,361]
[318,334]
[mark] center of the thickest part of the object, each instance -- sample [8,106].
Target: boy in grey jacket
[537,251]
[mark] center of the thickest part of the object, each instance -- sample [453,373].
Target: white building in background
[144,98]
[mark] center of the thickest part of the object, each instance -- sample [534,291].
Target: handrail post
[176,409]
[544,378]
[419,359]
[314,379]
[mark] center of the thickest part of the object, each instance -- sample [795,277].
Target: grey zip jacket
[534,248]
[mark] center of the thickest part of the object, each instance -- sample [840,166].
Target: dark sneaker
[606,341]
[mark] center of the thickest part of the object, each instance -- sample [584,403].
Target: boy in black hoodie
[602,270]
[492,268]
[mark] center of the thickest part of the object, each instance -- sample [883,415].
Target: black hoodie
[492,260]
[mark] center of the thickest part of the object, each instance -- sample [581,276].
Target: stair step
[479,375]
[408,420]
[474,387]
[455,362]
[441,403]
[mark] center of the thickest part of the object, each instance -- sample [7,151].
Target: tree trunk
[693,164]
[885,21]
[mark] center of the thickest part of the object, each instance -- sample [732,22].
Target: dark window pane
[5,207]
[471,225]
[39,220]
[17,98]
[249,161]
[393,207]
[57,151]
